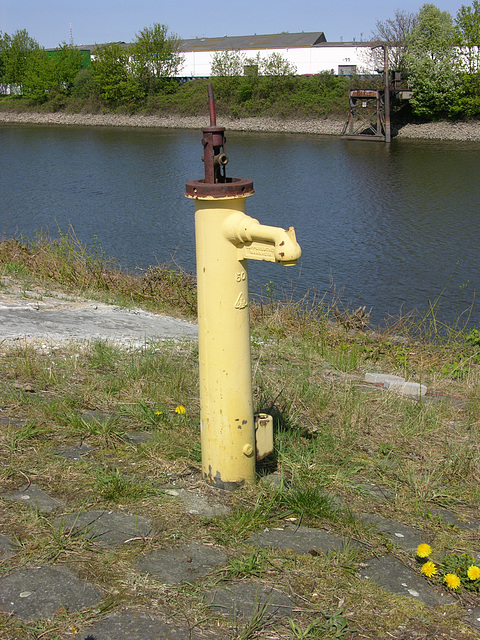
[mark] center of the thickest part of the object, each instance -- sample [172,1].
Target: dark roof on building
[268,41]
[241,43]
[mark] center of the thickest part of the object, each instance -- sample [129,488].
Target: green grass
[334,436]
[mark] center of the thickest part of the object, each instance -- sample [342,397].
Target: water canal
[391,227]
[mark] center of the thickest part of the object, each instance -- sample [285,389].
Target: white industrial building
[308,52]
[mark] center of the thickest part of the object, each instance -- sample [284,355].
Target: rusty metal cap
[232,188]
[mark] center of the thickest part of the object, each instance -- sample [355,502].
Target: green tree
[3,44]
[394,33]
[38,84]
[229,63]
[16,53]
[276,65]
[155,56]
[467,32]
[432,63]
[226,69]
[112,72]
[84,85]
[50,73]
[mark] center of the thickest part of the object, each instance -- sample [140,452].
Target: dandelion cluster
[180,409]
[458,570]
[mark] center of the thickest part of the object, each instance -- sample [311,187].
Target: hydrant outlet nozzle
[243,230]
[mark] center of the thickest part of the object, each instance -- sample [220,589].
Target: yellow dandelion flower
[180,409]
[429,569]
[473,572]
[424,550]
[158,413]
[452,581]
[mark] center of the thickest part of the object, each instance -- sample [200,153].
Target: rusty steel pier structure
[369,109]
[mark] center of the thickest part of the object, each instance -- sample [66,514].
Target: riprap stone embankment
[461,131]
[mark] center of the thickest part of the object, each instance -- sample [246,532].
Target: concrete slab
[276,481]
[404,537]
[139,437]
[449,517]
[197,503]
[240,601]
[34,497]
[76,453]
[7,548]
[473,618]
[132,625]
[107,527]
[302,540]
[95,415]
[9,422]
[89,320]
[173,566]
[412,389]
[32,594]
[375,491]
[382,378]
[395,577]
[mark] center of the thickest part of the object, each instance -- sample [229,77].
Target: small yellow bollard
[225,238]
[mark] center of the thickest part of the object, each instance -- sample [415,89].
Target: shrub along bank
[320,96]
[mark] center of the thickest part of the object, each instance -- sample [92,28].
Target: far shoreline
[458,131]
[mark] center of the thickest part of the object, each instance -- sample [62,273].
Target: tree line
[438,55]
[117,72]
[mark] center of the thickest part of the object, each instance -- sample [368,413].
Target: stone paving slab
[11,422]
[397,578]
[302,540]
[375,491]
[32,594]
[106,527]
[139,437]
[131,625]
[75,453]
[173,566]
[7,548]
[404,537]
[241,600]
[95,415]
[196,503]
[473,618]
[34,497]
[449,517]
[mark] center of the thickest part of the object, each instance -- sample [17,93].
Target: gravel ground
[467,131]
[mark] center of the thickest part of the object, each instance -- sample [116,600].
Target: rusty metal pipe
[211,106]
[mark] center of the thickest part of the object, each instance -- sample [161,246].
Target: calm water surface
[391,227]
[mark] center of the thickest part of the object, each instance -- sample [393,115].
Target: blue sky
[97,21]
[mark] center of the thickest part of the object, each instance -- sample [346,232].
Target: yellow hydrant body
[225,236]
[226,405]
[225,239]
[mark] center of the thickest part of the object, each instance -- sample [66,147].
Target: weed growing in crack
[114,486]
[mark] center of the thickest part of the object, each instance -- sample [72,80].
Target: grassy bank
[335,436]
[320,96]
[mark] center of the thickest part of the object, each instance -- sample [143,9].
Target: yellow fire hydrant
[232,439]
